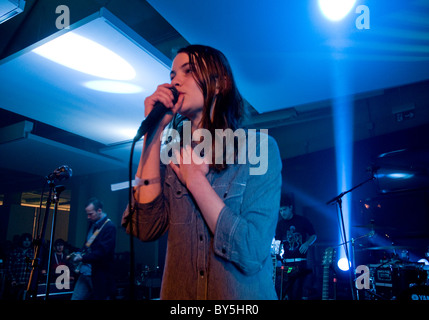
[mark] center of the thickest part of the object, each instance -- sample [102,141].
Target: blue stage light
[336,10]
[343,264]
[343,111]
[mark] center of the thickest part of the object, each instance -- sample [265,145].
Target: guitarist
[96,281]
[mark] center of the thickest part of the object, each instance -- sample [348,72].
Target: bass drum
[416,276]
[416,293]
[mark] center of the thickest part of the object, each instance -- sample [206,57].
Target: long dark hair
[224,107]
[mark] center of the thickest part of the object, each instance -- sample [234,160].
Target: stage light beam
[343,137]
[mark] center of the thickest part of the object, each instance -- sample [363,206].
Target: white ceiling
[287,54]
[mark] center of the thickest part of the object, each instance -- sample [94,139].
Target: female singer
[220,217]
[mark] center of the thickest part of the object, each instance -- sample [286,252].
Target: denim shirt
[234,262]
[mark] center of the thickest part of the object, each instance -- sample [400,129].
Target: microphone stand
[132,289]
[339,201]
[147,129]
[58,191]
[31,292]
[352,264]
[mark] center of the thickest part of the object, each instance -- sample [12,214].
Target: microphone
[62,173]
[373,170]
[155,116]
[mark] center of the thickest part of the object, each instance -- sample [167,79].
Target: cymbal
[386,248]
[372,226]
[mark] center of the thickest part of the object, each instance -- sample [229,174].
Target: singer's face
[183,80]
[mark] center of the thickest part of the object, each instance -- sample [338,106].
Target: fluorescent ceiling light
[127,133]
[61,82]
[113,86]
[84,55]
[336,10]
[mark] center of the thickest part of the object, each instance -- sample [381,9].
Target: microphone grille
[175,94]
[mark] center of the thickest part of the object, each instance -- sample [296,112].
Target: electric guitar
[76,264]
[86,249]
[328,256]
[275,250]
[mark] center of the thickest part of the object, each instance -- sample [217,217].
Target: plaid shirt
[18,266]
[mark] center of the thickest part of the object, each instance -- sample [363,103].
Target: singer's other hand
[164,95]
[191,166]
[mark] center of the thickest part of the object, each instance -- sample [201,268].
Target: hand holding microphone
[157,107]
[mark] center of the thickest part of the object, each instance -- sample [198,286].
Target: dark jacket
[102,251]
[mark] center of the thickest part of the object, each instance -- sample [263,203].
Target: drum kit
[148,283]
[394,276]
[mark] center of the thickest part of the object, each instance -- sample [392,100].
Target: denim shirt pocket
[181,207]
[231,193]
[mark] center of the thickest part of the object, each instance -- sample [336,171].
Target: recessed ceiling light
[87,56]
[96,74]
[113,86]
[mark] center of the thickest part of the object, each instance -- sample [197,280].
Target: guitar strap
[95,234]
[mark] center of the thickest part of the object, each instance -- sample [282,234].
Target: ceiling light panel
[90,80]
[82,54]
